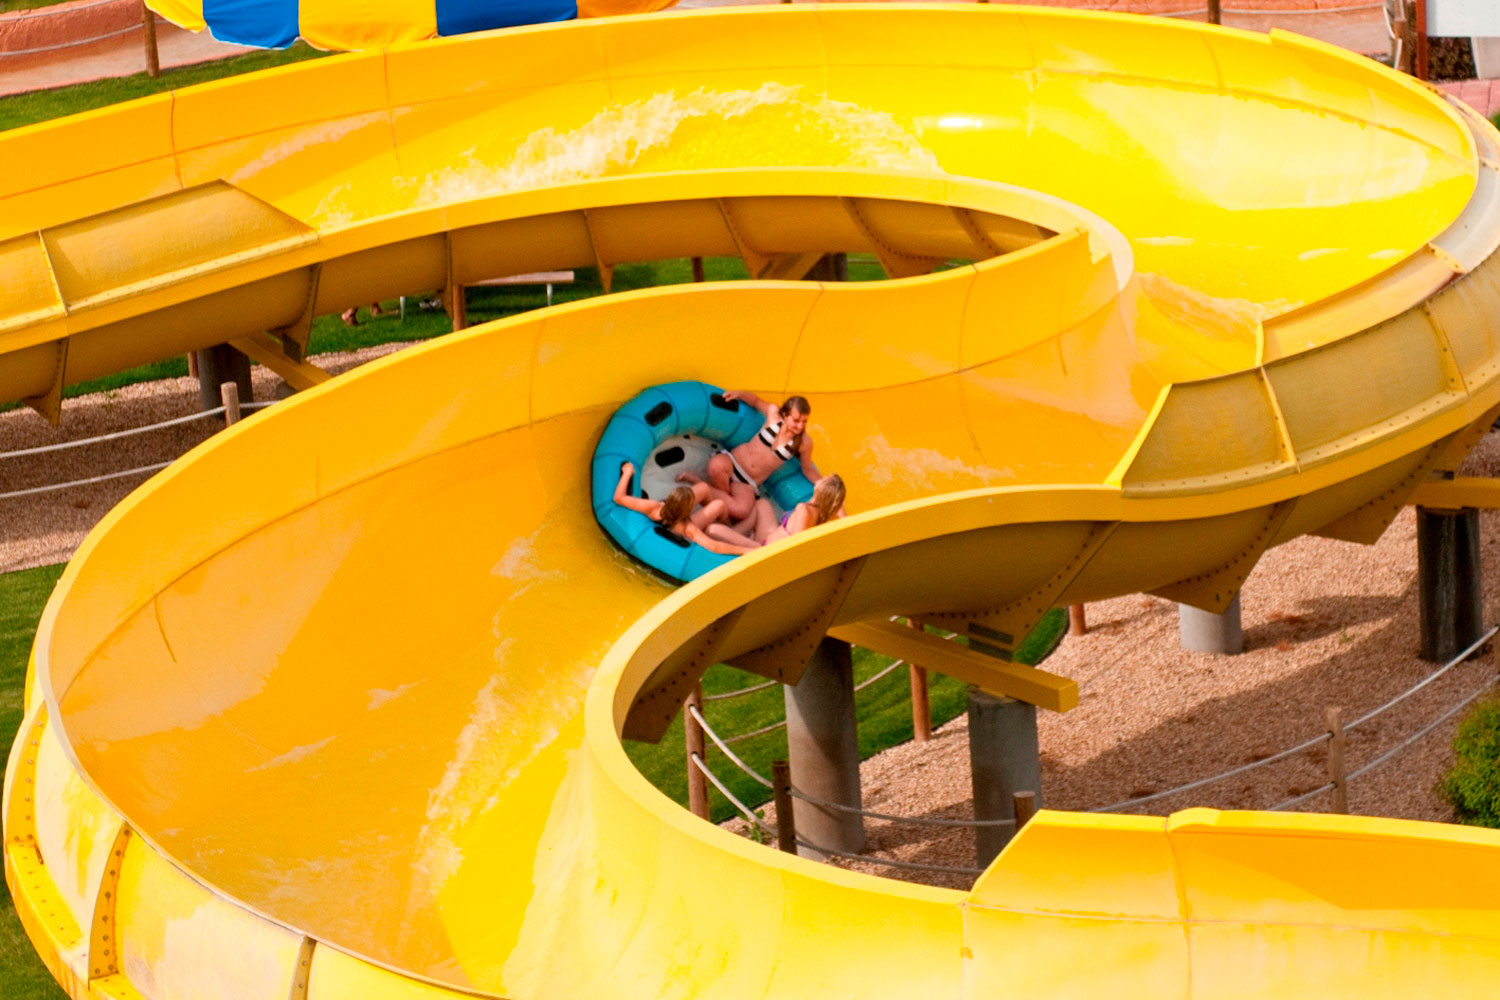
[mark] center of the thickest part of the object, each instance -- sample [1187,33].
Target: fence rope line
[1216,778]
[889,862]
[741,692]
[1461,657]
[1314,741]
[875,677]
[1421,732]
[709,732]
[73,44]
[752,689]
[84,482]
[115,436]
[763,730]
[746,810]
[798,793]
[1328,787]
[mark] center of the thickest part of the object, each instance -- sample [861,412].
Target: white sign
[1458,18]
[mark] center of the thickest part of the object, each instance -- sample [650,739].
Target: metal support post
[218,365]
[1448,581]
[1205,632]
[822,742]
[1004,758]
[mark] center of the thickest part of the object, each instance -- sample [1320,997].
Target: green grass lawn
[22,595]
[42,105]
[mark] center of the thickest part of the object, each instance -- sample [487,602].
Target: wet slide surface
[335,703]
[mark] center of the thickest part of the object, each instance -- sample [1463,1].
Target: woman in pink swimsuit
[827,504]
[735,476]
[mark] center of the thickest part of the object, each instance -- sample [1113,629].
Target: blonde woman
[827,504]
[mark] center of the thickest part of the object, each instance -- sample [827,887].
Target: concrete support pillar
[1448,578]
[833,267]
[1004,759]
[218,365]
[1205,632]
[823,747]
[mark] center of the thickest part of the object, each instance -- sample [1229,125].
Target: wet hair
[827,498]
[678,506]
[802,406]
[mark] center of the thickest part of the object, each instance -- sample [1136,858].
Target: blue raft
[664,430]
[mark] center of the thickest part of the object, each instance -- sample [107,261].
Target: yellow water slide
[333,707]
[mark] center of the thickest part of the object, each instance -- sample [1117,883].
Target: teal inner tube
[665,429]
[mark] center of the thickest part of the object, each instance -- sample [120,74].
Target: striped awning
[371,24]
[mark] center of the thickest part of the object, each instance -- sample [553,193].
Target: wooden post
[697,781]
[1401,43]
[1420,16]
[781,794]
[153,57]
[1215,12]
[1025,803]
[1336,747]
[1077,623]
[921,706]
[229,392]
[697,268]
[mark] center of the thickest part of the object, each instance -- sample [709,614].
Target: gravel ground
[45,528]
[1326,623]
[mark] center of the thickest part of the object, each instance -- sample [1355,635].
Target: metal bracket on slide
[1215,590]
[756,262]
[49,403]
[606,270]
[294,337]
[1366,523]
[998,631]
[895,263]
[104,939]
[661,698]
[786,659]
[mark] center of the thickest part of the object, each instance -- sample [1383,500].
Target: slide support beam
[823,746]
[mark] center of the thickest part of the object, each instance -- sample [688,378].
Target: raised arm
[770,410]
[622,494]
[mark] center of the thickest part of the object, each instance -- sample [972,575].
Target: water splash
[671,131]
[1220,319]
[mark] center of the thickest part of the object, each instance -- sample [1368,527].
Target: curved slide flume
[333,707]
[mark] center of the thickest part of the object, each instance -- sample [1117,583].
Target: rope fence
[230,410]
[1321,738]
[74,43]
[784,793]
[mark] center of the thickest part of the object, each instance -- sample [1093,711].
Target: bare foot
[350,317]
[689,476]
